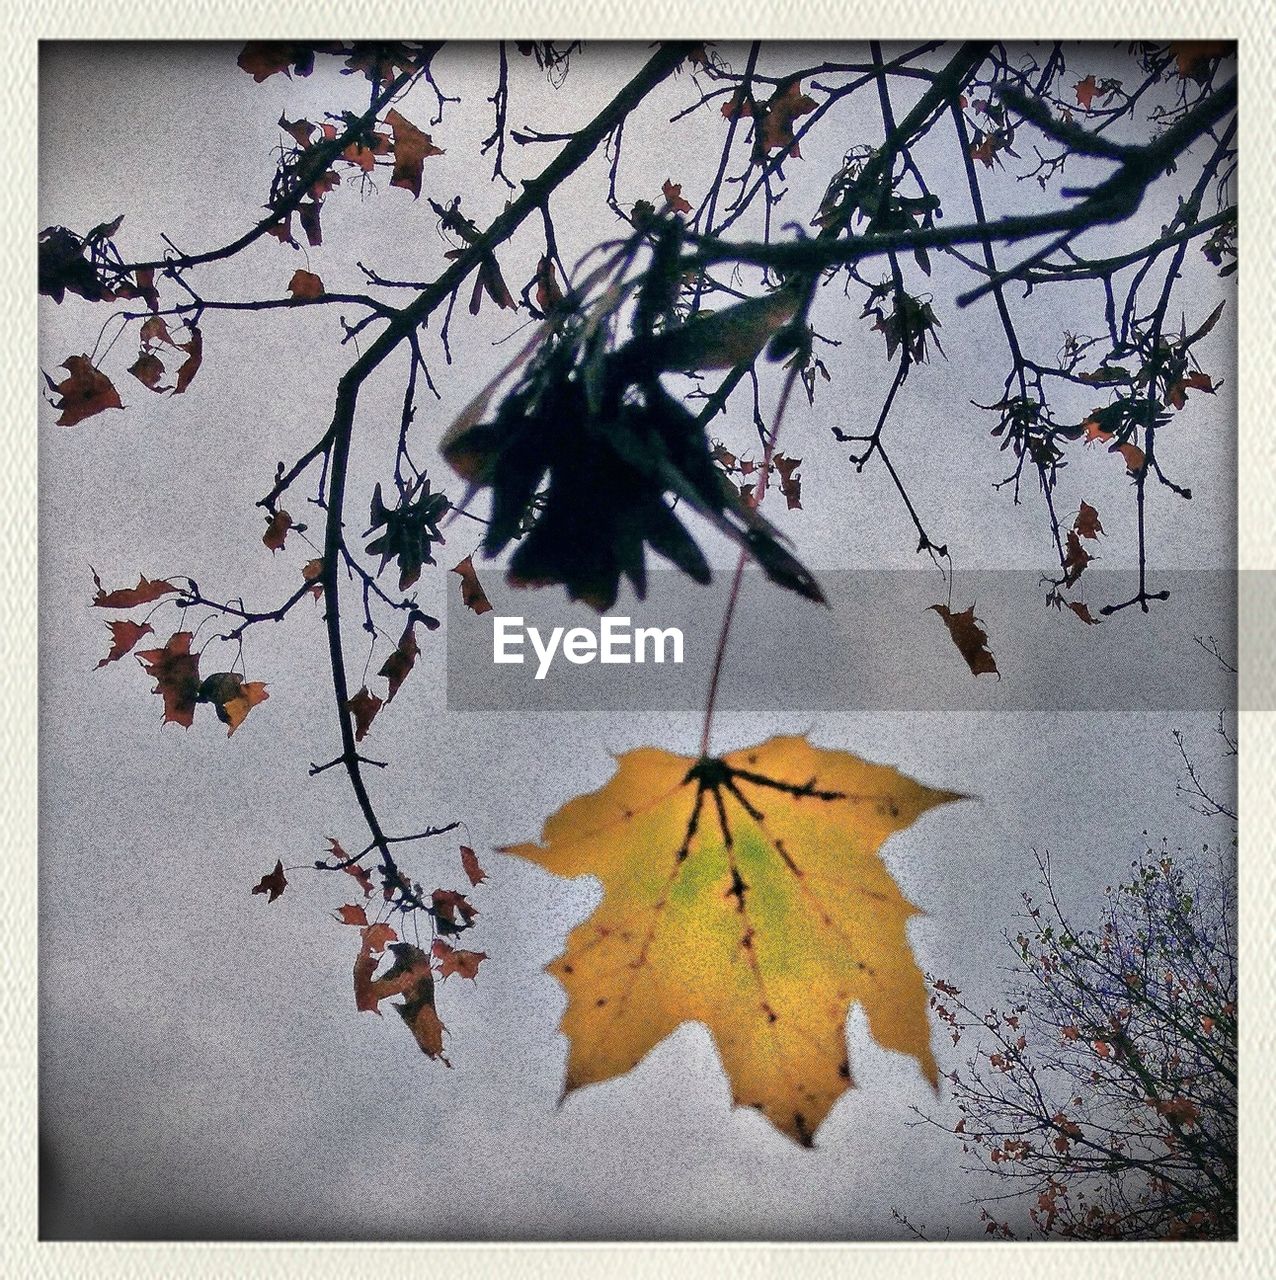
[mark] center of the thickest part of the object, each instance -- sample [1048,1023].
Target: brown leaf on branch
[970,638]
[148,369]
[364,707]
[448,906]
[232,697]
[372,942]
[790,481]
[277,525]
[354,869]
[143,287]
[300,131]
[451,961]
[361,875]
[1085,90]
[1194,381]
[85,391]
[312,571]
[1133,455]
[176,673]
[146,591]
[400,663]
[1083,612]
[548,295]
[308,211]
[411,149]
[674,197]
[352,914]
[194,348]
[417,1009]
[472,594]
[1075,559]
[264,58]
[363,155]
[305,285]
[282,230]
[490,281]
[984,151]
[124,636]
[738,106]
[409,976]
[1087,522]
[1192,57]
[781,110]
[273,884]
[470,863]
[154,330]
[62,266]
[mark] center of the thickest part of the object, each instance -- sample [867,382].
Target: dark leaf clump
[410,531]
[588,459]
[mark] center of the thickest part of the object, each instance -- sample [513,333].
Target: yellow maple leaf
[745,893]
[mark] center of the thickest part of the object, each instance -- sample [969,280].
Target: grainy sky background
[203,1070]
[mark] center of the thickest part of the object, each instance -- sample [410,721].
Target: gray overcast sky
[204,1072]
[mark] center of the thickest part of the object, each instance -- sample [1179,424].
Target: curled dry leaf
[549,295]
[148,369]
[352,914]
[299,130]
[984,151]
[372,942]
[355,869]
[194,348]
[746,893]
[970,638]
[411,149]
[1083,612]
[273,884]
[409,976]
[399,664]
[277,525]
[674,197]
[1075,559]
[1194,381]
[308,211]
[470,863]
[790,481]
[124,636]
[312,571]
[1087,522]
[305,285]
[176,673]
[85,391]
[781,110]
[232,697]
[1133,455]
[264,58]
[453,911]
[1192,57]
[472,594]
[451,961]
[146,591]
[364,707]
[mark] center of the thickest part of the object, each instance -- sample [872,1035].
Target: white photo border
[20,1251]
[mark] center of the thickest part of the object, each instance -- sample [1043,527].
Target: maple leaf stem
[737,578]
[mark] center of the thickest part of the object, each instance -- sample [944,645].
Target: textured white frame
[1242,20]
